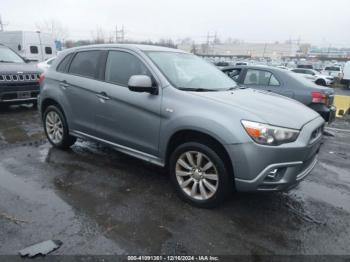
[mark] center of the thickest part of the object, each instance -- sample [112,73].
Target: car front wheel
[200,175]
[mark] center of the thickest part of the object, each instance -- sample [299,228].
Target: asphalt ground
[98,202]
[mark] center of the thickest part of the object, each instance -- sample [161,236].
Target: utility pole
[1,25]
[120,38]
[264,50]
[329,49]
[209,37]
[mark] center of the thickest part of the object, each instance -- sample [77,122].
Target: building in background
[271,50]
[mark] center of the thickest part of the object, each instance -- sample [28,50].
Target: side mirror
[142,83]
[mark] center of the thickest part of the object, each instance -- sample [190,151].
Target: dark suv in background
[19,81]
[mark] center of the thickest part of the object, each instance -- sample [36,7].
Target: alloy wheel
[54,127]
[197,175]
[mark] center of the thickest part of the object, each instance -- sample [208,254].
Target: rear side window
[257,77]
[48,50]
[34,49]
[63,66]
[273,81]
[121,66]
[85,64]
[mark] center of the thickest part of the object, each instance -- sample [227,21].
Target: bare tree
[54,27]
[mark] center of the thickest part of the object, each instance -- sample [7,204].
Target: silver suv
[175,110]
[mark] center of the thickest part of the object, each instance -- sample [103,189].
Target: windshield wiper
[197,89]
[3,61]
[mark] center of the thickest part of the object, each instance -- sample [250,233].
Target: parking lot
[98,201]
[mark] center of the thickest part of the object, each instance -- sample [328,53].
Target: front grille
[19,77]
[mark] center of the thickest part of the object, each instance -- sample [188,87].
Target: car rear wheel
[321,82]
[200,175]
[56,128]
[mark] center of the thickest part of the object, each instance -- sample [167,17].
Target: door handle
[64,85]
[102,96]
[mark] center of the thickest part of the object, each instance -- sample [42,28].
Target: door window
[257,77]
[34,49]
[274,81]
[121,66]
[85,63]
[234,73]
[48,50]
[63,66]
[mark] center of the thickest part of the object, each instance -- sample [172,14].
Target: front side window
[234,73]
[85,63]
[9,56]
[48,50]
[189,72]
[257,77]
[34,49]
[121,66]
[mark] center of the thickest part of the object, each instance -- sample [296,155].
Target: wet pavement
[98,201]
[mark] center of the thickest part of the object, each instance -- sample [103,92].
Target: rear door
[81,86]
[123,117]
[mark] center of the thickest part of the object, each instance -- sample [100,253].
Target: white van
[346,74]
[34,46]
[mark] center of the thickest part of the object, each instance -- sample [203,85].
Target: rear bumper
[275,168]
[329,114]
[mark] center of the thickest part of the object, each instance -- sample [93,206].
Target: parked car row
[175,110]
[315,76]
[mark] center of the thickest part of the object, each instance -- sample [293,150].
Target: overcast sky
[321,22]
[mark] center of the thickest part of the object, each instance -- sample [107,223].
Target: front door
[127,118]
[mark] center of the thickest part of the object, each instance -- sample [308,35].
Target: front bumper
[19,88]
[276,168]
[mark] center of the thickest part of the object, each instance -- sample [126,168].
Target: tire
[180,174]
[56,128]
[321,82]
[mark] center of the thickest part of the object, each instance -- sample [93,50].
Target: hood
[272,108]
[18,67]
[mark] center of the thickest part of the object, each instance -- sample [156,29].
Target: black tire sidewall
[66,139]
[225,186]
[321,82]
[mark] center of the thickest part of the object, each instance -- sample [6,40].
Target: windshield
[8,56]
[189,72]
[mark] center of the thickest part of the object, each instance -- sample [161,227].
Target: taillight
[318,97]
[41,78]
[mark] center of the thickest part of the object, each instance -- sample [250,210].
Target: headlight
[269,135]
